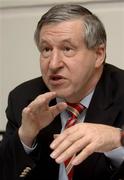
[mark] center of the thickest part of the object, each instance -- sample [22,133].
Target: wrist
[122,137]
[25,138]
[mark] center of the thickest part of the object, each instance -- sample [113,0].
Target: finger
[41,100]
[74,148]
[64,141]
[58,108]
[61,137]
[49,96]
[26,113]
[61,148]
[87,151]
[55,136]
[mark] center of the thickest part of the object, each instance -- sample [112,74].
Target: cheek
[76,79]
[43,67]
[80,75]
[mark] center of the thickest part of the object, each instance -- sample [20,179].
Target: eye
[67,48]
[46,51]
[68,51]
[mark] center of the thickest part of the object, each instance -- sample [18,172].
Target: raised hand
[38,115]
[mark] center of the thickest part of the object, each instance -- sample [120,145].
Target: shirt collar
[85,101]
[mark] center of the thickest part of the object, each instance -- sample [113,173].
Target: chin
[62,93]
[67,96]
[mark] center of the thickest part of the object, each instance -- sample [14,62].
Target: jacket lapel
[103,108]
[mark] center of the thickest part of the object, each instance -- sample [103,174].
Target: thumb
[58,108]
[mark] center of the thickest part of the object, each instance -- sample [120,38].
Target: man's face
[67,66]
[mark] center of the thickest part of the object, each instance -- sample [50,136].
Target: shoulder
[110,86]
[31,89]
[114,72]
[113,76]
[113,80]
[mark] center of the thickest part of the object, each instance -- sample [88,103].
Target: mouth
[56,79]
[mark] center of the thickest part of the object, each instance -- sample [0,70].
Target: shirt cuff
[28,149]
[116,156]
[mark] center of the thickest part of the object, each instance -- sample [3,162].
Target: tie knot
[75,109]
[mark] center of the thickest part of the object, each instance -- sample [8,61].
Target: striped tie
[74,110]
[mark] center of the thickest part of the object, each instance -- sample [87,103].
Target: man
[36,145]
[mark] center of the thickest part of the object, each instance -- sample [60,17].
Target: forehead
[62,30]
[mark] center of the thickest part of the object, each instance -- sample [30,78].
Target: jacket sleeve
[14,161]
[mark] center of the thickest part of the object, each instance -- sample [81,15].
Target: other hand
[82,140]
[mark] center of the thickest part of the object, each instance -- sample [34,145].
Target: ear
[100,55]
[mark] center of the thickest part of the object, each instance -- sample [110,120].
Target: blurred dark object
[1,135]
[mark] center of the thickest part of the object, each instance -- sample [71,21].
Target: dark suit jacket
[106,107]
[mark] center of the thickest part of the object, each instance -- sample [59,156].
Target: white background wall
[19,57]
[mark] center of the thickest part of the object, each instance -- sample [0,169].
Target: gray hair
[94,34]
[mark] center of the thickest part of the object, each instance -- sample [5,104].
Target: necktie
[74,110]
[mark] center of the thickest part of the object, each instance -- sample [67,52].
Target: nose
[56,62]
